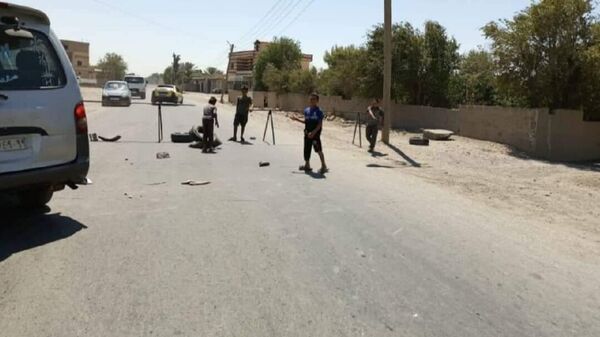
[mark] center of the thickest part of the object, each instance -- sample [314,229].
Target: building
[242,63]
[206,83]
[79,55]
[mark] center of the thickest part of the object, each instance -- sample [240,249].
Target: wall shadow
[591,166]
[22,230]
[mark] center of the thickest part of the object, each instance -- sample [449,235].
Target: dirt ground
[558,194]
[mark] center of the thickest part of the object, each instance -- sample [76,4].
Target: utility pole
[231,46]
[387,71]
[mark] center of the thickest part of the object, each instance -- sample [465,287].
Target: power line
[297,17]
[258,24]
[278,21]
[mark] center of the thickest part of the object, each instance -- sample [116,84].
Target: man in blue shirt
[313,125]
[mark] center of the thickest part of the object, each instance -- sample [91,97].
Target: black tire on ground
[36,198]
[143,96]
[419,141]
[182,137]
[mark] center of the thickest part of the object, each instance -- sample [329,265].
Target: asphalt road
[366,251]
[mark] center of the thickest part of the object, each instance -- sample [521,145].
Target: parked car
[43,127]
[167,93]
[137,85]
[116,93]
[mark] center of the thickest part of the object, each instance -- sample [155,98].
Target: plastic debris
[163,155]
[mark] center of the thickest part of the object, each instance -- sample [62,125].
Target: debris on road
[437,134]
[264,164]
[93,137]
[157,184]
[110,140]
[419,141]
[163,155]
[195,183]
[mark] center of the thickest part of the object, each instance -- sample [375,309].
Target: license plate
[114,98]
[162,94]
[16,144]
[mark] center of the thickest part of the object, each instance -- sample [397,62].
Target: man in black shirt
[243,108]
[374,122]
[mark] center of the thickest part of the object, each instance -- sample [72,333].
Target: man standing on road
[374,122]
[313,125]
[243,108]
[209,120]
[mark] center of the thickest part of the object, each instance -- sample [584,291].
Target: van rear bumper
[70,173]
[74,172]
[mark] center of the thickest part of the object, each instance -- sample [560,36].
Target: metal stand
[269,119]
[358,127]
[160,123]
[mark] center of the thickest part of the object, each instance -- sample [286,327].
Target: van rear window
[134,80]
[28,63]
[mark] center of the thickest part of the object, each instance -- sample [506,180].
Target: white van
[43,126]
[137,85]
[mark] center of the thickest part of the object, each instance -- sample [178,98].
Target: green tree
[176,69]
[345,70]
[113,66]
[275,79]
[283,54]
[541,52]
[213,71]
[439,62]
[187,70]
[168,76]
[475,80]
[303,81]
[155,78]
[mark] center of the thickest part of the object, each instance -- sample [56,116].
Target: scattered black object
[182,137]
[198,144]
[163,155]
[112,140]
[264,164]
[195,183]
[252,138]
[419,141]
[93,137]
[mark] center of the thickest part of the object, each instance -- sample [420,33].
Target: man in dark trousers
[374,122]
[313,125]
[209,120]
[243,108]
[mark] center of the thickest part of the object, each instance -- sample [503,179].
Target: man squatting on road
[209,120]
[243,108]
[374,122]
[313,125]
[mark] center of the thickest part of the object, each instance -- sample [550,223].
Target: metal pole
[272,126]
[359,131]
[231,45]
[160,126]
[387,72]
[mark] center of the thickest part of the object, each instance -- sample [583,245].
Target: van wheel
[36,198]
[143,96]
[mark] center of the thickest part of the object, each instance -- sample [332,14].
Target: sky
[148,32]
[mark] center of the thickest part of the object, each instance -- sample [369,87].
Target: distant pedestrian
[242,110]
[313,125]
[209,120]
[374,122]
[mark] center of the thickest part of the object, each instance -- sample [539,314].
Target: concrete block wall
[561,136]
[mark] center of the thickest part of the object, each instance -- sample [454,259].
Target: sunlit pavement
[271,251]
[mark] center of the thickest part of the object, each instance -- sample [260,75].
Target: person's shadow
[21,229]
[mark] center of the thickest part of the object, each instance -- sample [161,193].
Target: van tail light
[80,119]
